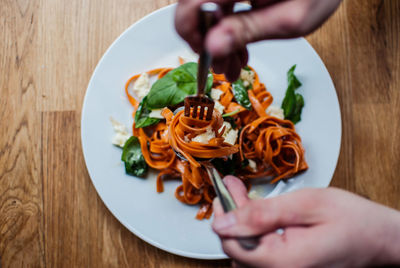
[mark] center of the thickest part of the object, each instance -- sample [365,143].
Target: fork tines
[197,105]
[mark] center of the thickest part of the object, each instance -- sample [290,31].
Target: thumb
[264,216]
[281,20]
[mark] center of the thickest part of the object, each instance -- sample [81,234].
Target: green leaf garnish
[240,93]
[172,88]
[231,113]
[293,103]
[142,118]
[133,158]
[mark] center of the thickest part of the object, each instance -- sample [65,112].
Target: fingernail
[224,221]
[221,45]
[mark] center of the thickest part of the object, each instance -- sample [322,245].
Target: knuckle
[241,27]
[292,23]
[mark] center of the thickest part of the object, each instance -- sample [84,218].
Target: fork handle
[208,16]
[228,204]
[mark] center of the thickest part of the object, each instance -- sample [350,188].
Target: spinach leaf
[293,103]
[225,166]
[231,121]
[133,158]
[142,118]
[240,93]
[175,86]
[245,163]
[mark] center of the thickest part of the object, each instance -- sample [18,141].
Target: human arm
[322,228]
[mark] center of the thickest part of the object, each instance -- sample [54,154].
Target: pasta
[270,142]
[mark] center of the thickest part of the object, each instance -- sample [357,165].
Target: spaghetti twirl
[270,142]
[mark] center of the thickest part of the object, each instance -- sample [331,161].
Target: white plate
[160,219]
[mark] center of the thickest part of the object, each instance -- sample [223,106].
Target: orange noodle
[272,143]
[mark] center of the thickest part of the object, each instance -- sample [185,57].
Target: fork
[201,105]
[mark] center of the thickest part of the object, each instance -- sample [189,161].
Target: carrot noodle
[182,128]
[271,143]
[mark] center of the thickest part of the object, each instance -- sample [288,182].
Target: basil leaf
[293,103]
[289,103]
[172,88]
[292,79]
[297,111]
[247,68]
[133,158]
[142,118]
[240,93]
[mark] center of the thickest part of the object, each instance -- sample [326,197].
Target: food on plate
[247,136]
[293,103]
[194,138]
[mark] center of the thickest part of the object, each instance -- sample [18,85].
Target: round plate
[160,219]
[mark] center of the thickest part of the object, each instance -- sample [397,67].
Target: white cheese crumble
[275,111]
[186,139]
[205,137]
[247,77]
[219,107]
[156,113]
[254,195]
[216,93]
[141,87]
[230,135]
[121,133]
[252,165]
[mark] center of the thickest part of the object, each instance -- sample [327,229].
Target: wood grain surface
[50,213]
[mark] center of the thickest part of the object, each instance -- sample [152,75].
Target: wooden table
[50,213]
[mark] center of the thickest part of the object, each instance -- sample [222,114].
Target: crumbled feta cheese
[247,77]
[205,137]
[252,165]
[275,111]
[219,107]
[156,113]
[121,133]
[186,139]
[230,135]
[216,93]
[141,87]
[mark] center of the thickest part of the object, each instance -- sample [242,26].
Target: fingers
[264,216]
[279,250]
[217,208]
[232,64]
[233,71]
[238,192]
[186,22]
[280,20]
[273,244]
[237,189]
